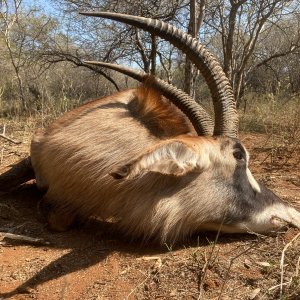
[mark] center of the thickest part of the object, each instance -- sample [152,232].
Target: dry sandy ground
[95,262]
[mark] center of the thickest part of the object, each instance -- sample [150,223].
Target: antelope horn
[200,119]
[226,118]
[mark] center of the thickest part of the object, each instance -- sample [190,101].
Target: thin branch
[282,261]
[277,55]
[142,51]
[231,264]
[23,238]
[9,139]
[55,57]
[207,263]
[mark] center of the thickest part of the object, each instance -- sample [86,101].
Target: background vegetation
[43,47]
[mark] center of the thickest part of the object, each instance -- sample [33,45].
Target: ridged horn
[226,118]
[199,118]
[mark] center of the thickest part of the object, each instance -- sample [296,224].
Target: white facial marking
[252,181]
[273,217]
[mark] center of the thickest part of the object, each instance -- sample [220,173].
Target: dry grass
[270,114]
[279,119]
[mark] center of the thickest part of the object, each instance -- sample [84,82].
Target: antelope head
[229,192]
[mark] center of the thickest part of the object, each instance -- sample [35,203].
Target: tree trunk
[153,54]
[21,91]
[239,80]
[189,69]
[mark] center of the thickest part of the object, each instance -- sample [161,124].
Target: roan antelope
[151,160]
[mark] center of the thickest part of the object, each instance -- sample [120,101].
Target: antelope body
[135,158]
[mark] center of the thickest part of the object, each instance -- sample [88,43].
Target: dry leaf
[263,264]
[254,294]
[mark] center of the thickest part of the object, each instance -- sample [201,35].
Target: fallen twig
[208,261]
[23,238]
[297,267]
[155,270]
[231,264]
[2,154]
[140,284]
[10,139]
[282,261]
[277,286]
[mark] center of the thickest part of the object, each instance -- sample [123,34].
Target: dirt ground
[96,262]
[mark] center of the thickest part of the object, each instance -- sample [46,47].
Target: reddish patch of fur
[158,114]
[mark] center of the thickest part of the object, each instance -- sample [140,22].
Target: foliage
[256,41]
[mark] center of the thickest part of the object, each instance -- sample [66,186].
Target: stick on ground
[10,139]
[23,238]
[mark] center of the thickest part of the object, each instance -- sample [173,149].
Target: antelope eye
[238,155]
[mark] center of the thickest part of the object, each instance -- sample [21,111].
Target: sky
[45,5]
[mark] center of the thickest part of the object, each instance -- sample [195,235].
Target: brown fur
[174,183]
[73,159]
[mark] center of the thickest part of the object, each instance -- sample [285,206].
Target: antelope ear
[173,158]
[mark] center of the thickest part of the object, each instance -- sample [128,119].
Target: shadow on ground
[89,244]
